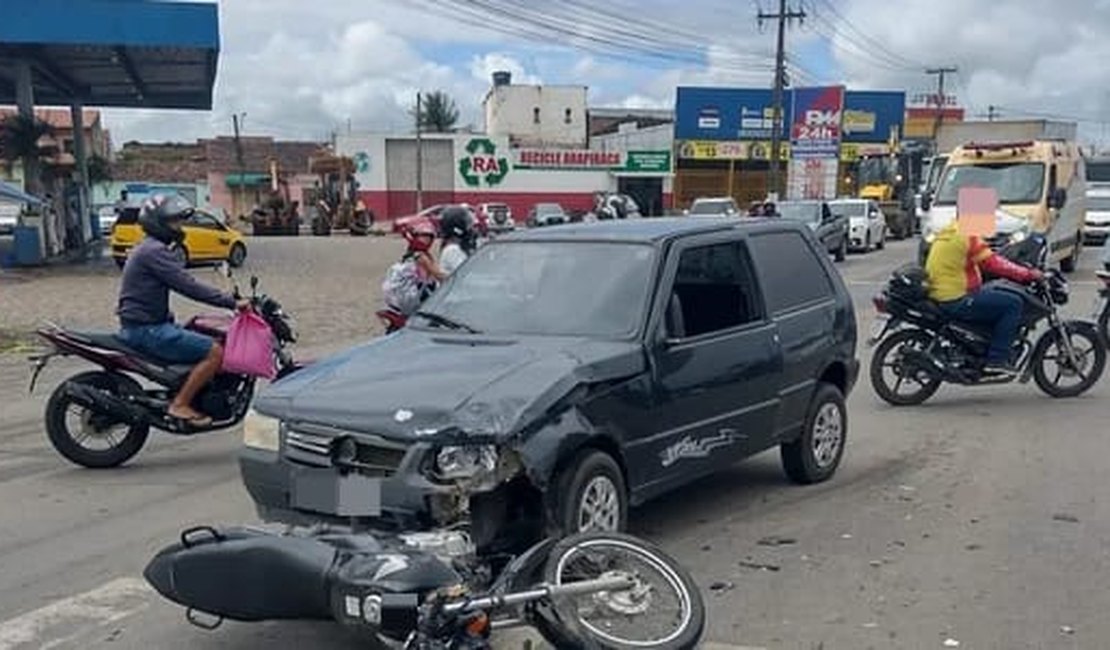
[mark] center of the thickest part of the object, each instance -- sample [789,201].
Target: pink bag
[249,347]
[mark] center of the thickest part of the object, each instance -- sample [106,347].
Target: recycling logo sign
[362,162]
[482,164]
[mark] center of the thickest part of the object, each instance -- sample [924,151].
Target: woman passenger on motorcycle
[154,268]
[956,285]
[459,239]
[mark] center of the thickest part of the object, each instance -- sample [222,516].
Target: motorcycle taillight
[880,303]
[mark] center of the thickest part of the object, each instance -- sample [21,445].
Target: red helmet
[420,235]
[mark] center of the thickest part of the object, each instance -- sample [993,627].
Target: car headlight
[261,432]
[458,462]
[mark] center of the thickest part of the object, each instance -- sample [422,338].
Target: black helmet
[158,211]
[455,223]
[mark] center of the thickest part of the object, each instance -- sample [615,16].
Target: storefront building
[723,138]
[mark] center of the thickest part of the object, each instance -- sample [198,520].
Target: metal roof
[111,53]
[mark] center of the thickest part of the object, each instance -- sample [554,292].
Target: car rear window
[792,274]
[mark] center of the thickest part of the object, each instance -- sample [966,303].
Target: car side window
[201,220]
[713,290]
[792,275]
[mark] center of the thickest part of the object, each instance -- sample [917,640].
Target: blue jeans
[167,341]
[995,307]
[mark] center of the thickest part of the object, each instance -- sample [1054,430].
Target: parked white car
[866,223]
[714,207]
[1096,223]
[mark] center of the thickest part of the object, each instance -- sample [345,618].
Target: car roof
[706,199]
[649,230]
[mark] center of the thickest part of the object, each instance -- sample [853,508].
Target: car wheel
[816,454]
[882,241]
[1071,262]
[591,495]
[867,244]
[237,256]
[842,252]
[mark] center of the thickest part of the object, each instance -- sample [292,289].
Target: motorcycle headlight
[1018,236]
[261,432]
[459,462]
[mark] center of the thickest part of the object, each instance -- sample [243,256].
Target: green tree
[438,113]
[19,140]
[100,170]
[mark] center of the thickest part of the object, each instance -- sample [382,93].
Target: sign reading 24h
[483,164]
[815,132]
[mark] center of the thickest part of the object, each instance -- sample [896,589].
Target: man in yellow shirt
[954,269]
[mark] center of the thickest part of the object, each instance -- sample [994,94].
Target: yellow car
[207,239]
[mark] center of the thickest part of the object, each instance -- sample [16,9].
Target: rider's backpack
[908,283]
[403,288]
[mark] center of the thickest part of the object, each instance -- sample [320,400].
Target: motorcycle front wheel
[1061,372]
[86,437]
[664,609]
[906,386]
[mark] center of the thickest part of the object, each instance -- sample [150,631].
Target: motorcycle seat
[110,341]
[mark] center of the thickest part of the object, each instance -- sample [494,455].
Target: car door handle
[225,241]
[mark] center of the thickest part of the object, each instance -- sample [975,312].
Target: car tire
[237,255]
[120,262]
[842,252]
[867,244]
[816,454]
[588,490]
[881,244]
[1070,263]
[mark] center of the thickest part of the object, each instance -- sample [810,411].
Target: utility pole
[419,154]
[991,113]
[940,74]
[780,82]
[236,122]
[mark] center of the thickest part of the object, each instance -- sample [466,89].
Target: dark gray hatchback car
[565,374]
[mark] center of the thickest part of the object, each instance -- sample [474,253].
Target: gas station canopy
[111,53]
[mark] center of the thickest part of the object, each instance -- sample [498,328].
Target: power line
[873,43]
[783,16]
[849,46]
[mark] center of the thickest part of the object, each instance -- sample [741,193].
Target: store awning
[12,194]
[247,180]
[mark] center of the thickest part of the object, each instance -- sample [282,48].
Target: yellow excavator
[889,180]
[335,197]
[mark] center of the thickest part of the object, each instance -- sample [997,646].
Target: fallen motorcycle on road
[102,418]
[431,591]
[919,347]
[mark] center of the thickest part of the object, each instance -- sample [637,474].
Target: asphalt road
[973,520]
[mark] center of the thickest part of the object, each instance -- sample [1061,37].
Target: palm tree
[438,113]
[19,140]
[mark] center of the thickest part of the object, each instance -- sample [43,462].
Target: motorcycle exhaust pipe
[101,401]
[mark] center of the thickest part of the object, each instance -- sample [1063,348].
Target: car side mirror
[926,201]
[1057,198]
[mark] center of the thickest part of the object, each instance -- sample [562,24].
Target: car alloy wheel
[599,508]
[828,433]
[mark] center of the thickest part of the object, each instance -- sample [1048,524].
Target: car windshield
[1098,203]
[849,209]
[550,289]
[804,212]
[1098,171]
[1015,183]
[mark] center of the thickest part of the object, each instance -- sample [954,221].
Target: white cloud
[482,68]
[299,71]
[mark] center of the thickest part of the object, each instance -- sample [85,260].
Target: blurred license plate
[878,326]
[327,491]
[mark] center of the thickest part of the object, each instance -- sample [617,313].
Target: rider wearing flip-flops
[153,269]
